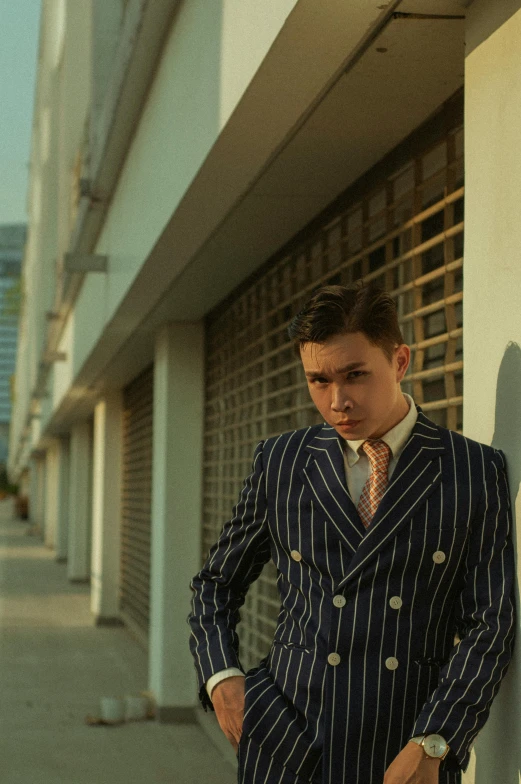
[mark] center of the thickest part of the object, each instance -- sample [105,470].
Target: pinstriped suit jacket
[447,495]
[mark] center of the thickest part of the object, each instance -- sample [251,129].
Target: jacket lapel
[325,475]
[416,475]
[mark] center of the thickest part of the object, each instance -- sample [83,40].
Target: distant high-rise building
[12,241]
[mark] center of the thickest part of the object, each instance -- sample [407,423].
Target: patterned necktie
[379,455]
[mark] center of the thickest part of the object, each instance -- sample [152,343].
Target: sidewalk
[54,667]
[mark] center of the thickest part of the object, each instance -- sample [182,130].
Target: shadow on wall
[498,750]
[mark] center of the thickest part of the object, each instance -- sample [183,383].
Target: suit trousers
[256,767]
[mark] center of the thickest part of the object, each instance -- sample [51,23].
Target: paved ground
[54,667]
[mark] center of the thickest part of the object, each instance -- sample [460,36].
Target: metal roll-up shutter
[136,503]
[400,226]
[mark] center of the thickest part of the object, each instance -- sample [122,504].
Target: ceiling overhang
[406,69]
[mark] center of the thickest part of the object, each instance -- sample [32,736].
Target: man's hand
[228,701]
[411,766]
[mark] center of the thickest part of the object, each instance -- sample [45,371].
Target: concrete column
[106,509]
[39,507]
[492,327]
[176,513]
[80,502]
[56,494]
[33,491]
[24,483]
[51,495]
[62,497]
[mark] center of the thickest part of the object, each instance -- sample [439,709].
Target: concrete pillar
[492,327]
[176,513]
[80,502]
[62,498]
[56,497]
[24,484]
[106,509]
[33,491]
[38,516]
[51,495]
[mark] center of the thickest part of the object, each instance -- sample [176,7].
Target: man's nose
[340,400]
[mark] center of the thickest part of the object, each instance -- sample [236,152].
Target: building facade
[197,169]
[12,240]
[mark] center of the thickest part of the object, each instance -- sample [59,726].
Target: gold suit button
[296,555]
[439,556]
[395,602]
[333,659]
[391,663]
[339,600]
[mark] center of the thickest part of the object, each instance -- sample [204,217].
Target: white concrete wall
[189,102]
[60,112]
[20,399]
[73,110]
[45,407]
[248,30]
[492,304]
[63,371]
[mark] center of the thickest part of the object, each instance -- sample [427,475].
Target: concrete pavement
[54,667]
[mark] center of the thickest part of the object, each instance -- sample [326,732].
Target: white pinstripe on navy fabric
[447,493]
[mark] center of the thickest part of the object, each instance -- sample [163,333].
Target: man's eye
[356,373]
[319,381]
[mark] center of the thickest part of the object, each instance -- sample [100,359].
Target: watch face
[435,746]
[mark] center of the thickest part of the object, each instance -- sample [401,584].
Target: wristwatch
[434,746]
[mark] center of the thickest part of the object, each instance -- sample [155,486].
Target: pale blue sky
[19,30]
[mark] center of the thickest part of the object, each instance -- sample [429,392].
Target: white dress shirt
[358,471]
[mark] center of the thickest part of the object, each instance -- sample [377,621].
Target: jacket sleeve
[219,590]
[468,683]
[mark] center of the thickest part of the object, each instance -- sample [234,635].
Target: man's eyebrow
[346,369]
[351,366]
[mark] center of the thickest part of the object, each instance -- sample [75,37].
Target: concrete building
[12,240]
[198,168]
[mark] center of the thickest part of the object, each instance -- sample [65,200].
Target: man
[390,535]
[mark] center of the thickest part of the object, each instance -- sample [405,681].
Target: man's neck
[400,412]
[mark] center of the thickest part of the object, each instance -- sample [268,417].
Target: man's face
[354,385]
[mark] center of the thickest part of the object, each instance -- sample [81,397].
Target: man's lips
[351,423]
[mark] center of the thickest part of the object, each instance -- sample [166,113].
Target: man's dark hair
[342,310]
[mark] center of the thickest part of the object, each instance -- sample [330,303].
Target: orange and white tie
[379,455]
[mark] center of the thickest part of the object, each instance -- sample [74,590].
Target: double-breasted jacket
[383,633]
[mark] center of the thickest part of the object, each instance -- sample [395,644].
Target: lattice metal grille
[136,502]
[406,235]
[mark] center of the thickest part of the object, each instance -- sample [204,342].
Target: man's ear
[403,357]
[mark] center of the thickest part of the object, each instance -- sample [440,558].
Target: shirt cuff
[212,682]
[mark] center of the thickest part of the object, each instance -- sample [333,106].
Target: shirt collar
[396,438]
